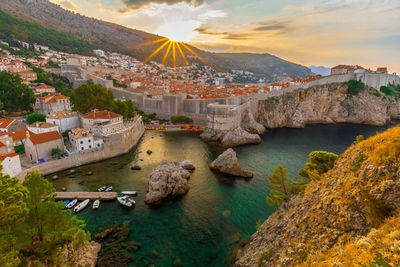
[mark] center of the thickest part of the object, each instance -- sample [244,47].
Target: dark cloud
[273,27]
[270,28]
[237,36]
[208,31]
[224,35]
[135,4]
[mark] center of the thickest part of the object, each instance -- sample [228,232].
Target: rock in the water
[136,167]
[149,152]
[89,173]
[104,234]
[228,163]
[64,189]
[71,171]
[167,180]
[230,138]
[55,177]
[188,165]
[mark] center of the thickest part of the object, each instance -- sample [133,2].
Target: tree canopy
[34,117]
[91,96]
[125,108]
[15,95]
[61,84]
[32,225]
[318,163]
[282,186]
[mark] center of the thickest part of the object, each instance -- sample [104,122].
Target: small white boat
[101,188]
[81,205]
[126,201]
[96,204]
[129,193]
[71,204]
[109,189]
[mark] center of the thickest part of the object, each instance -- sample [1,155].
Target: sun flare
[179,31]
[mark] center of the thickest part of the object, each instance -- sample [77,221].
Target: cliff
[330,103]
[86,256]
[347,217]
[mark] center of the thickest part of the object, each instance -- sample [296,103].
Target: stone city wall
[114,145]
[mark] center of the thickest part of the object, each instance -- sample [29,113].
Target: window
[90,146]
[82,148]
[98,145]
[89,140]
[81,142]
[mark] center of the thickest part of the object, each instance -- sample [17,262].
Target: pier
[86,195]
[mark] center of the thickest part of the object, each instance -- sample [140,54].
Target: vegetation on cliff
[34,228]
[14,95]
[347,217]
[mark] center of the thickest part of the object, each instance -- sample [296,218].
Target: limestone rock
[231,138]
[86,256]
[167,180]
[228,163]
[249,124]
[188,165]
[328,103]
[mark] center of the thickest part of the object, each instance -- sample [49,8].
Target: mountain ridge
[117,38]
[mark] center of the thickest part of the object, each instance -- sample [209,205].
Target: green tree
[131,108]
[13,210]
[55,151]
[34,117]
[282,186]
[91,96]
[120,107]
[318,163]
[49,227]
[14,94]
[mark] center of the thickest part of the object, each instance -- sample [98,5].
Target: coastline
[114,145]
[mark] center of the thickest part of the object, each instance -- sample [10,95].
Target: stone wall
[114,145]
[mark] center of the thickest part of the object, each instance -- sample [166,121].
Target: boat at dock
[96,204]
[130,193]
[101,189]
[126,201]
[71,204]
[81,205]
[109,189]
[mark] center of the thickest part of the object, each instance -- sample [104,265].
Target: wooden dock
[86,195]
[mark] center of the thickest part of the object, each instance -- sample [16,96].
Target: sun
[179,31]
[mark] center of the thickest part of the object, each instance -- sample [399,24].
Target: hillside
[348,217]
[117,38]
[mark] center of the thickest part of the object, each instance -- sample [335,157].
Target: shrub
[319,162]
[359,139]
[376,210]
[258,224]
[389,91]
[181,119]
[356,164]
[265,257]
[19,149]
[55,151]
[34,117]
[379,261]
[355,87]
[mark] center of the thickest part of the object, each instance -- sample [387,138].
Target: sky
[309,32]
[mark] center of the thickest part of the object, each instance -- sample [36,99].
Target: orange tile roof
[4,123]
[52,98]
[10,155]
[44,137]
[44,86]
[18,135]
[98,114]
[2,144]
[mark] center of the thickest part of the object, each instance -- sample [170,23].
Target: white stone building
[102,122]
[51,103]
[11,164]
[65,119]
[81,139]
[43,127]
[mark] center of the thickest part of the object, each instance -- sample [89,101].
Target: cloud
[137,4]
[209,31]
[69,5]
[271,26]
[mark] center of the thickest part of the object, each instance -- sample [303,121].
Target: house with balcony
[102,122]
[81,139]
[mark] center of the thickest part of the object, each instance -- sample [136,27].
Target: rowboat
[81,205]
[101,188]
[126,201]
[96,204]
[109,189]
[130,193]
[71,204]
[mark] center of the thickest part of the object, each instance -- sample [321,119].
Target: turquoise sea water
[203,227]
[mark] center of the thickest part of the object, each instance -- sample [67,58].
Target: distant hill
[95,33]
[321,70]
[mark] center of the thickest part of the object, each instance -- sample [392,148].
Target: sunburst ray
[155,52]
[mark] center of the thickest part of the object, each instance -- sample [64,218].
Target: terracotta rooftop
[44,137]
[80,133]
[52,98]
[4,123]
[42,124]
[10,155]
[18,135]
[62,114]
[98,114]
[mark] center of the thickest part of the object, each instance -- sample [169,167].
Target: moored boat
[96,204]
[81,205]
[109,189]
[130,193]
[71,204]
[126,201]
[101,188]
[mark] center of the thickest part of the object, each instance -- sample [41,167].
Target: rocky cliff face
[349,216]
[86,256]
[326,104]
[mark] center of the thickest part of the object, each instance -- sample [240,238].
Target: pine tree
[282,186]
[13,210]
